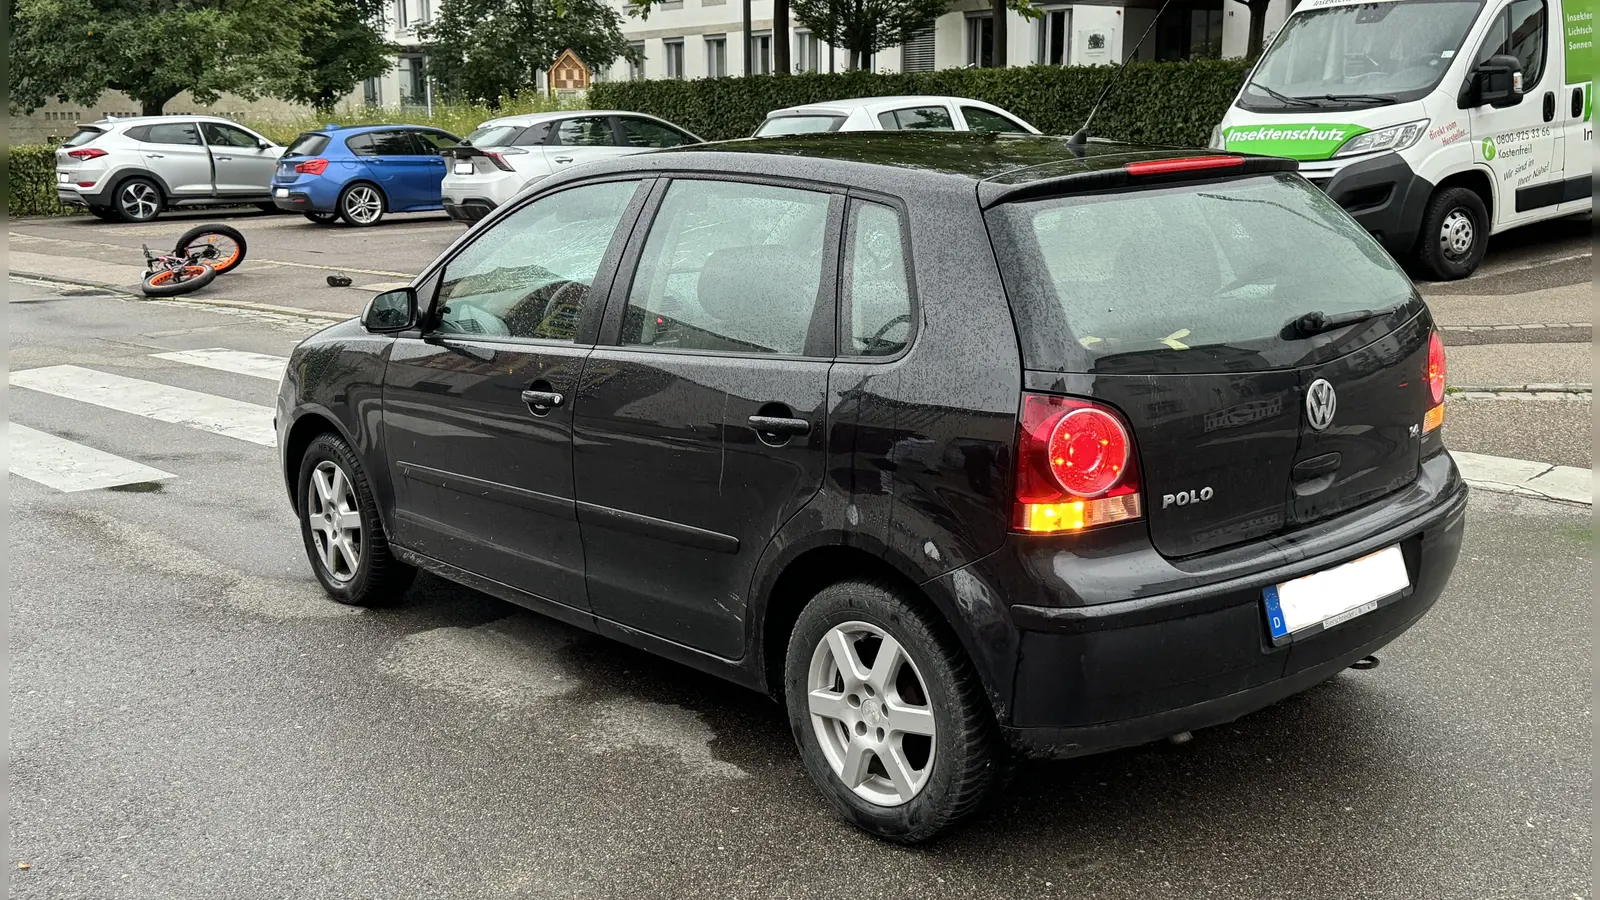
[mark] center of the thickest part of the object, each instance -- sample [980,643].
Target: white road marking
[67,466]
[239,362]
[1526,477]
[206,412]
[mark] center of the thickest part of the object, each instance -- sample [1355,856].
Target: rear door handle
[563,159]
[777,425]
[543,398]
[224,159]
[156,155]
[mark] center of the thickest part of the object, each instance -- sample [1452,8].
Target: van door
[1520,145]
[702,432]
[1577,104]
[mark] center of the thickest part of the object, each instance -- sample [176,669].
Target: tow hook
[1365,663]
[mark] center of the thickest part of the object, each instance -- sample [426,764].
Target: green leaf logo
[1489,152]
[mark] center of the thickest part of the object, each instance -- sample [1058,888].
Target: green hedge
[1156,102]
[31,182]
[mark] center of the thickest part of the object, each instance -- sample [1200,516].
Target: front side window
[434,141]
[731,268]
[645,133]
[588,131]
[1519,30]
[175,133]
[877,299]
[393,143]
[530,275]
[980,119]
[917,118]
[218,135]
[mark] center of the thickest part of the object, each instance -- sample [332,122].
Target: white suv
[505,155]
[129,170]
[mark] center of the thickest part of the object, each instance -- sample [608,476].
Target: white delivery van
[1436,123]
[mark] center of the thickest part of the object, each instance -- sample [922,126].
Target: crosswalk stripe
[239,362]
[206,412]
[67,466]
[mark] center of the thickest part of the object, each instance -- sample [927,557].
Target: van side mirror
[391,311]
[1496,82]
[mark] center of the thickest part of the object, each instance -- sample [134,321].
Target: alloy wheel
[139,200]
[871,714]
[1457,234]
[335,521]
[363,205]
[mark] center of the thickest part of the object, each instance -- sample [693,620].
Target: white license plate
[281,192]
[1335,595]
[463,167]
[62,178]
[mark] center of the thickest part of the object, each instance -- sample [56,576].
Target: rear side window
[83,136]
[175,133]
[980,119]
[360,144]
[917,118]
[589,131]
[778,126]
[1192,278]
[493,135]
[877,300]
[731,268]
[308,144]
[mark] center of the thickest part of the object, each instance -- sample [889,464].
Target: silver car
[505,155]
[130,169]
[893,114]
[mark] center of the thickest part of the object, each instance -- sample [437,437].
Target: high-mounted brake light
[86,153]
[1186,164]
[1436,374]
[311,167]
[1075,467]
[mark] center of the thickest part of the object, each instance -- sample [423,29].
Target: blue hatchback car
[358,174]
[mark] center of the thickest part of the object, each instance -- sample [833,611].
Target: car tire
[1455,234]
[270,209]
[335,499]
[137,199]
[322,218]
[941,778]
[362,204]
[104,213]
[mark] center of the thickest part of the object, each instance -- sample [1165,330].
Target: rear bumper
[1385,196]
[468,209]
[295,202]
[1094,678]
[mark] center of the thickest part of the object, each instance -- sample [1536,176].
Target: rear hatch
[304,149]
[495,149]
[76,151]
[1205,313]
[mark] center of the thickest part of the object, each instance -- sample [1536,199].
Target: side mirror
[1496,82]
[391,311]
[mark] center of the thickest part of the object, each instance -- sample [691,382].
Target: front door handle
[156,155]
[1549,106]
[224,159]
[547,399]
[775,425]
[563,159]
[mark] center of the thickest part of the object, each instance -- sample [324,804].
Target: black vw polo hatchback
[958,445]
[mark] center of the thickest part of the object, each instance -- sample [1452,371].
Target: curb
[320,314]
[1526,478]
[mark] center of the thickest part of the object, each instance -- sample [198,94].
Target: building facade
[705,38]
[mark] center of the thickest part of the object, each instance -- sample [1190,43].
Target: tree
[997,13]
[1258,26]
[486,50]
[863,27]
[342,52]
[154,50]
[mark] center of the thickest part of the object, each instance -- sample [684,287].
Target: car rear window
[1192,278]
[82,136]
[493,136]
[777,126]
[308,144]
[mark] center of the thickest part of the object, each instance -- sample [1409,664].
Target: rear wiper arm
[1282,97]
[1317,322]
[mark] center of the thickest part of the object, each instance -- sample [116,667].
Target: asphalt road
[192,719]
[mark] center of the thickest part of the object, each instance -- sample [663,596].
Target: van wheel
[890,718]
[342,532]
[1455,234]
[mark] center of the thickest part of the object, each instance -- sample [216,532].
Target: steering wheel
[528,315]
[877,341]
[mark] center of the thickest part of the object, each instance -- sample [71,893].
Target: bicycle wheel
[221,247]
[172,282]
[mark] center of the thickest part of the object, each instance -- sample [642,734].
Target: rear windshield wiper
[1281,97]
[1360,98]
[1317,322]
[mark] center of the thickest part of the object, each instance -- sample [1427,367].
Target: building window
[806,52]
[424,11]
[916,54]
[761,54]
[372,92]
[980,41]
[674,55]
[400,19]
[1055,37]
[415,82]
[636,65]
[716,55]
[1190,33]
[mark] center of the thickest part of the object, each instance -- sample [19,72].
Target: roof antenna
[1081,136]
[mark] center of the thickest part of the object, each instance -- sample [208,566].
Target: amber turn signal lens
[1433,419]
[1076,515]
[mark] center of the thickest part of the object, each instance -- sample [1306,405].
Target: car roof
[536,118]
[118,121]
[1001,166]
[350,130]
[871,104]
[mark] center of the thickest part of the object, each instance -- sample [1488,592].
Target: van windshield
[1198,278]
[1360,55]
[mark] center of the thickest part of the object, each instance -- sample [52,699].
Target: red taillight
[499,160]
[1187,164]
[1436,373]
[86,153]
[1075,467]
[311,167]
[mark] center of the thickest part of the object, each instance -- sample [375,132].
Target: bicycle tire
[197,234]
[162,283]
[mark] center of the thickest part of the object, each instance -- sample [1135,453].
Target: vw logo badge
[1321,403]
